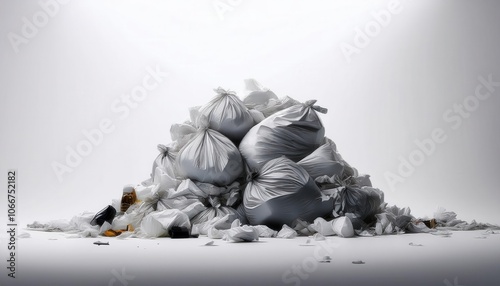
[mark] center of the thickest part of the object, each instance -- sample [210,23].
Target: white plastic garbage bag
[294,132]
[281,193]
[228,115]
[157,224]
[165,160]
[210,157]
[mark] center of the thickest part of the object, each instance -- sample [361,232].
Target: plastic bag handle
[162,148]
[222,91]
[310,103]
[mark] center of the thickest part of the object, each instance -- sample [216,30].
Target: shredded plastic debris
[358,262]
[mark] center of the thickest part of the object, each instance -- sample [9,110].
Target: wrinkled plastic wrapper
[79,226]
[392,220]
[281,193]
[227,114]
[201,201]
[294,132]
[362,202]
[210,157]
[157,224]
[244,233]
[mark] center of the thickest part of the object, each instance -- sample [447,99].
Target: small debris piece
[101,243]
[210,243]
[326,259]
[414,244]
[358,262]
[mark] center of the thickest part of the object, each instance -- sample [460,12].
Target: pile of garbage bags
[241,169]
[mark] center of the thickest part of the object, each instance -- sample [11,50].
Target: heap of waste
[244,169]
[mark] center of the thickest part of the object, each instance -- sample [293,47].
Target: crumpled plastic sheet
[286,232]
[304,228]
[157,224]
[243,233]
[201,201]
[393,220]
[79,226]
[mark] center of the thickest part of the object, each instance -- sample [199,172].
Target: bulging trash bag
[294,132]
[323,161]
[281,193]
[362,202]
[166,160]
[157,224]
[228,115]
[165,168]
[210,157]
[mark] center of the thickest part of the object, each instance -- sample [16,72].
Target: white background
[66,77]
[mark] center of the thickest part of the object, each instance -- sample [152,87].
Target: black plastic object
[179,232]
[105,215]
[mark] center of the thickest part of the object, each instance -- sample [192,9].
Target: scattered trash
[442,233]
[102,243]
[358,262]
[105,215]
[318,237]
[210,243]
[240,170]
[307,243]
[481,237]
[414,244]
[326,259]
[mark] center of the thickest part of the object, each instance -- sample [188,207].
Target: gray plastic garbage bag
[281,193]
[157,224]
[323,161]
[294,132]
[363,202]
[228,115]
[210,157]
